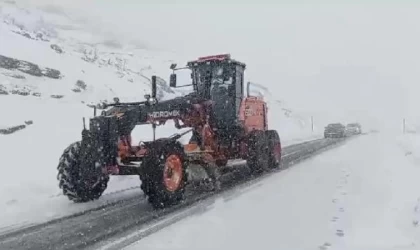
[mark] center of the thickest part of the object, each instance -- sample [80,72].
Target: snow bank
[410,145]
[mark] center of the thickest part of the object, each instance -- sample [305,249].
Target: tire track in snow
[338,220]
[416,218]
[407,150]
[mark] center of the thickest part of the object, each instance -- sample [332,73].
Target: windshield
[214,75]
[335,125]
[202,75]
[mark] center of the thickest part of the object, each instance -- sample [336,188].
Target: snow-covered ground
[362,195]
[109,69]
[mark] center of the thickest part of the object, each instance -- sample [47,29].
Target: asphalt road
[116,225]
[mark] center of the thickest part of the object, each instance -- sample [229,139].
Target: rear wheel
[258,153]
[77,183]
[274,149]
[164,175]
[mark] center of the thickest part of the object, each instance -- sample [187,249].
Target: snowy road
[361,195]
[134,214]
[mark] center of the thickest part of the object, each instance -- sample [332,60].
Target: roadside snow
[410,145]
[359,196]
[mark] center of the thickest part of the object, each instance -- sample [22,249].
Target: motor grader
[225,122]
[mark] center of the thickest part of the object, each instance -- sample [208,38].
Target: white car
[353,129]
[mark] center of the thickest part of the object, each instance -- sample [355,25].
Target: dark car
[335,130]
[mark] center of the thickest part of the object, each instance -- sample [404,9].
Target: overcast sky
[333,60]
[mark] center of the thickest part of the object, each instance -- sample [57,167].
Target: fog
[337,62]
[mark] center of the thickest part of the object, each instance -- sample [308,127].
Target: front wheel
[258,153]
[79,183]
[163,175]
[274,148]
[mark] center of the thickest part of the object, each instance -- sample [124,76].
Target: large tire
[274,149]
[74,182]
[158,182]
[258,155]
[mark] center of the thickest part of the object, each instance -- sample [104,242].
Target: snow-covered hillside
[51,71]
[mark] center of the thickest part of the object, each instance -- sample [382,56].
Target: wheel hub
[172,174]
[277,152]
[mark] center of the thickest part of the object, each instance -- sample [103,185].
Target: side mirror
[172,81]
[173,66]
[153,86]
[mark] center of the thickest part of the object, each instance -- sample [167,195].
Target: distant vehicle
[353,129]
[335,130]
